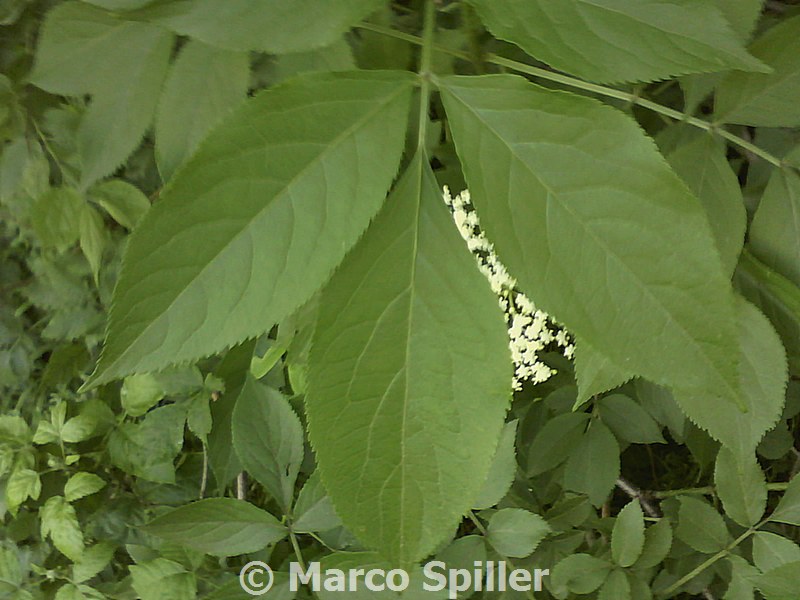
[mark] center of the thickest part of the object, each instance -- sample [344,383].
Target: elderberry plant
[241,324]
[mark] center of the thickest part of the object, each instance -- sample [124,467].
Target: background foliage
[301,360]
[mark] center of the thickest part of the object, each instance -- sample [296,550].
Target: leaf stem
[479,526]
[721,554]
[428,27]
[708,490]
[587,87]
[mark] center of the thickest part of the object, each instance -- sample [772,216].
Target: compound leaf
[409,376]
[257,219]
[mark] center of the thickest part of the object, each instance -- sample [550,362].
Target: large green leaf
[619,40]
[597,229]
[257,220]
[766,99]
[219,526]
[203,85]
[409,377]
[274,26]
[762,377]
[268,439]
[775,231]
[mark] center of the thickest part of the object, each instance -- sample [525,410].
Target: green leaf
[81,485]
[502,471]
[219,526]
[741,487]
[325,148]
[581,207]
[92,561]
[204,84]
[56,218]
[704,168]
[163,579]
[93,238]
[762,379]
[140,393]
[627,538]
[657,543]
[780,583]
[125,203]
[58,520]
[515,532]
[579,573]
[272,26]
[700,526]
[268,439]
[777,297]
[629,421]
[410,376]
[616,587]
[595,372]
[123,105]
[619,40]
[21,485]
[69,591]
[82,49]
[554,441]
[766,99]
[743,573]
[120,4]
[788,509]
[593,465]
[147,449]
[775,230]
[334,57]
[771,551]
[314,510]
[233,370]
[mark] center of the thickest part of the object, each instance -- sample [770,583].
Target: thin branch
[588,87]
[636,494]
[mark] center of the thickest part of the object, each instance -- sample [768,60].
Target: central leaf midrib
[646,290]
[335,143]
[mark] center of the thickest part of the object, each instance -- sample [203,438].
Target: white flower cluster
[530,331]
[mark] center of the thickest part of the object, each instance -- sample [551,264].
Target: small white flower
[529,330]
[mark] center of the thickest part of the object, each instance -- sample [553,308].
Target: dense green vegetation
[374,283]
